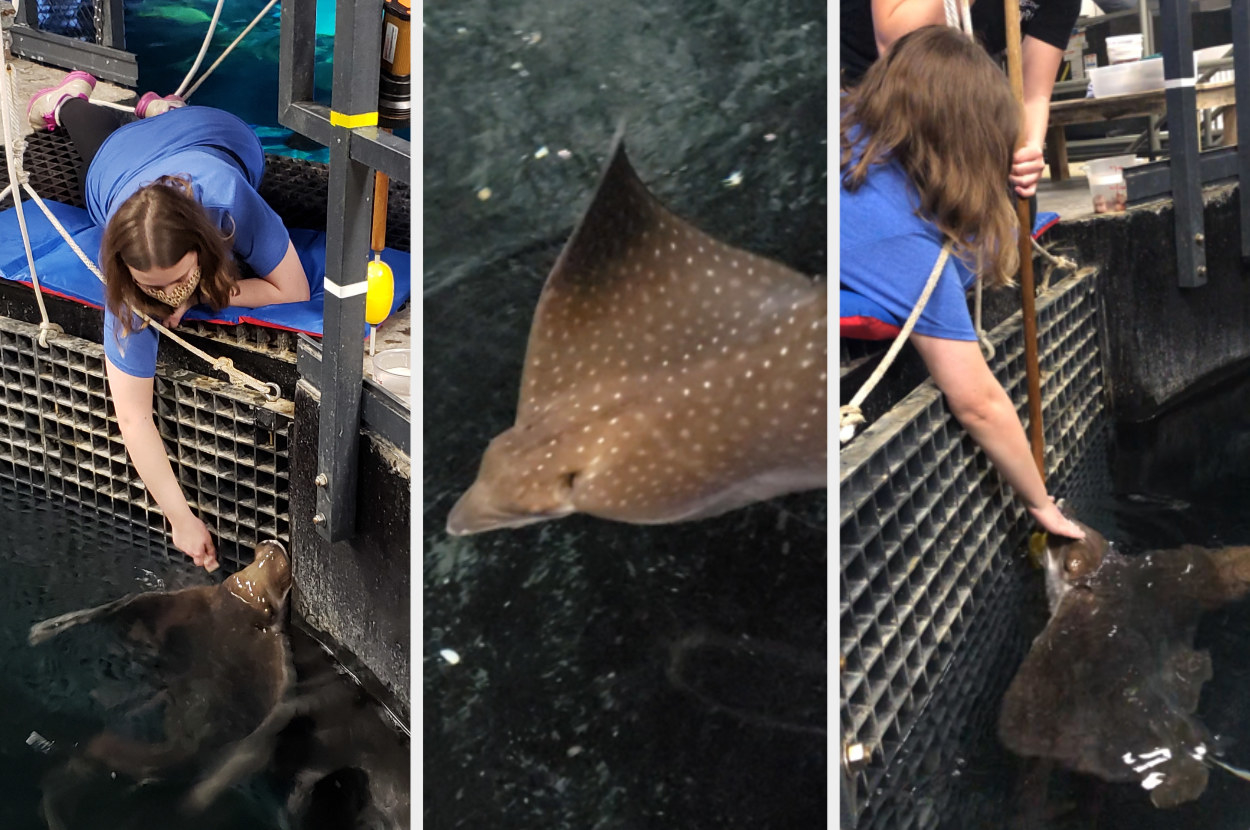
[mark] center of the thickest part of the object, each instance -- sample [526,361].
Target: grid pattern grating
[928,532]
[71,18]
[228,447]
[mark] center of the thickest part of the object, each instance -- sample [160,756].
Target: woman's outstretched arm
[132,401]
[980,404]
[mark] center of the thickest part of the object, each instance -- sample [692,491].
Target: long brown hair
[155,227]
[939,106]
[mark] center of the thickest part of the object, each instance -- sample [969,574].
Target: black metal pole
[1176,41]
[354,104]
[1240,12]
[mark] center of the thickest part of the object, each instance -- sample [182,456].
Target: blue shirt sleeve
[134,353]
[892,273]
[260,237]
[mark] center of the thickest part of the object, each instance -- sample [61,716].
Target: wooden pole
[381,190]
[377,236]
[1032,372]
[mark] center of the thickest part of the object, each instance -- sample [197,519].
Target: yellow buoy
[379,293]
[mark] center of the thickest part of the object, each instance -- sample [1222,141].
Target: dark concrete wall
[1162,339]
[358,591]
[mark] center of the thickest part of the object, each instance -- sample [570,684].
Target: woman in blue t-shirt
[927,143]
[177,199]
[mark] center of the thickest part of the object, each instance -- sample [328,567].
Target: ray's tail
[1244,775]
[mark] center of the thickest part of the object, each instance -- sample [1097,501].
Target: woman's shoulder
[885,203]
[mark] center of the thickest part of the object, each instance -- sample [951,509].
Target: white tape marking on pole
[345,291]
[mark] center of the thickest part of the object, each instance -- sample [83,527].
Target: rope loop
[987,348]
[44,328]
[849,417]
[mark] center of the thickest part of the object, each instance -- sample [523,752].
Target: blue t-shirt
[224,161]
[888,252]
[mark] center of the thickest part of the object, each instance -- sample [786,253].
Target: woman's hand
[174,319]
[1053,521]
[191,536]
[1026,169]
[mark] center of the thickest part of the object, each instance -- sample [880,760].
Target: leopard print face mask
[175,296]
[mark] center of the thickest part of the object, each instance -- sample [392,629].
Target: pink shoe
[44,105]
[152,104]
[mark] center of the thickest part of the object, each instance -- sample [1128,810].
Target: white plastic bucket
[1106,183]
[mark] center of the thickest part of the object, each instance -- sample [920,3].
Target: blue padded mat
[61,273]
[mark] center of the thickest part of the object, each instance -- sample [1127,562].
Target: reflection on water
[336,757]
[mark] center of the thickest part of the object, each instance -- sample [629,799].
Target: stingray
[223,667]
[1111,685]
[668,377]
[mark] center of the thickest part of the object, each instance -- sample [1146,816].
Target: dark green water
[165,37]
[1182,478]
[56,558]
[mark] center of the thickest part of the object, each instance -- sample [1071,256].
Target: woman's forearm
[980,404]
[255,292]
[1040,62]
[286,283]
[147,453]
[996,428]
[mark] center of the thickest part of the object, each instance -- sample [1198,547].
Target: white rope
[1060,263]
[983,338]
[15,145]
[208,37]
[114,105]
[851,415]
[233,44]
[958,15]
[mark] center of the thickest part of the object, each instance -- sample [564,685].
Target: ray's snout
[1078,557]
[265,583]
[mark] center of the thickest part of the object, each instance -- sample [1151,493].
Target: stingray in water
[668,377]
[1110,686]
[224,670]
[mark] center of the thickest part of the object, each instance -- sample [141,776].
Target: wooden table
[1135,104]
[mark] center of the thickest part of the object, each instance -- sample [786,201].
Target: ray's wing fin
[43,631]
[1093,695]
[637,289]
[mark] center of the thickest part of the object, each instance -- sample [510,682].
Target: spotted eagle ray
[1110,686]
[225,670]
[668,377]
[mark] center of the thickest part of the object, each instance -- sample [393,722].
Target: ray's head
[265,583]
[516,485]
[1070,562]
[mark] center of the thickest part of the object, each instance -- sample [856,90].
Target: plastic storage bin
[1126,78]
[392,368]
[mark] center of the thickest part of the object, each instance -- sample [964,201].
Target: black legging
[88,125]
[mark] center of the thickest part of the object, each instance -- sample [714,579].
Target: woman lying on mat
[926,144]
[177,199]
